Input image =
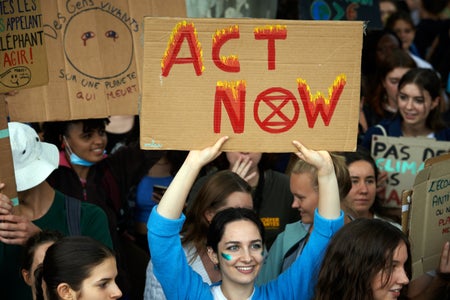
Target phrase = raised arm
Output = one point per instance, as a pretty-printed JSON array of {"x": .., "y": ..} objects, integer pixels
[
  {"x": 172, "y": 203},
  {"x": 300, "y": 279},
  {"x": 329, "y": 204}
]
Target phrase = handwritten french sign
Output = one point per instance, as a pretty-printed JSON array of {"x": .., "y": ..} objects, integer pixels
[
  {"x": 262, "y": 82},
  {"x": 429, "y": 221},
  {"x": 403, "y": 158},
  {"x": 23, "y": 57},
  {"x": 95, "y": 49}
]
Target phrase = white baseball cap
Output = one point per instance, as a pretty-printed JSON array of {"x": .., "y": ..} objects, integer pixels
[{"x": 33, "y": 160}]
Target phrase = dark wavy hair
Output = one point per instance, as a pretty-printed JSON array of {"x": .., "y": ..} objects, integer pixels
[
  {"x": 69, "y": 260},
  {"x": 435, "y": 7},
  {"x": 223, "y": 217},
  {"x": 363, "y": 155},
  {"x": 397, "y": 59},
  {"x": 42, "y": 237},
  {"x": 355, "y": 255},
  {"x": 426, "y": 80},
  {"x": 54, "y": 131},
  {"x": 399, "y": 15}
]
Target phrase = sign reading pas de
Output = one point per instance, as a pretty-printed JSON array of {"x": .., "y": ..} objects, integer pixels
[{"x": 242, "y": 78}]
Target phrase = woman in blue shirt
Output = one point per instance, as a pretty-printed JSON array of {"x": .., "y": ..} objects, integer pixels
[{"x": 235, "y": 244}]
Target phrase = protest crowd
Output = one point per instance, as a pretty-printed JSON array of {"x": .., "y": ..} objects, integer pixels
[{"x": 97, "y": 217}]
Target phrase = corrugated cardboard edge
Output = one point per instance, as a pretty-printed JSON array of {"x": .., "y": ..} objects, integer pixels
[
  {"x": 6, "y": 161},
  {"x": 414, "y": 219}
]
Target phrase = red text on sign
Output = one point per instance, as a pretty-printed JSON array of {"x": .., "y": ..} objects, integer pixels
[{"x": 233, "y": 94}]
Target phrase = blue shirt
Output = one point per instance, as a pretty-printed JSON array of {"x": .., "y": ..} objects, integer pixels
[
  {"x": 179, "y": 281},
  {"x": 144, "y": 194}
]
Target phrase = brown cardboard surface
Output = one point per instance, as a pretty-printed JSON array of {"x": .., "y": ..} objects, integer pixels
[
  {"x": 23, "y": 58},
  {"x": 429, "y": 225},
  {"x": 403, "y": 158},
  {"x": 187, "y": 108},
  {"x": 94, "y": 50},
  {"x": 6, "y": 162}
]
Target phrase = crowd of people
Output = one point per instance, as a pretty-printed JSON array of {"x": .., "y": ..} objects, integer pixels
[{"x": 99, "y": 218}]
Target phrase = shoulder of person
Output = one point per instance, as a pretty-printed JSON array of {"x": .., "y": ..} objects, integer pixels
[
  {"x": 386, "y": 126},
  {"x": 443, "y": 135},
  {"x": 293, "y": 233},
  {"x": 91, "y": 209}
]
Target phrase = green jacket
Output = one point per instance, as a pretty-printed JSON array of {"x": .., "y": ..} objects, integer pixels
[{"x": 93, "y": 223}]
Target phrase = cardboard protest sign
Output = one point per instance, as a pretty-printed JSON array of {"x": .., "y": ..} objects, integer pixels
[
  {"x": 429, "y": 221},
  {"x": 362, "y": 10},
  {"x": 94, "y": 49},
  {"x": 6, "y": 165},
  {"x": 403, "y": 158},
  {"x": 261, "y": 82},
  {"x": 23, "y": 58}
]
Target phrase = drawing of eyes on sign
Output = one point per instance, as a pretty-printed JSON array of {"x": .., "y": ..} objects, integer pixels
[
  {"x": 23, "y": 57},
  {"x": 111, "y": 37},
  {"x": 94, "y": 49},
  {"x": 262, "y": 82}
]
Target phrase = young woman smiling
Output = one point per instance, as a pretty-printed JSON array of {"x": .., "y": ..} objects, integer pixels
[
  {"x": 235, "y": 239},
  {"x": 87, "y": 173},
  {"x": 418, "y": 101}
]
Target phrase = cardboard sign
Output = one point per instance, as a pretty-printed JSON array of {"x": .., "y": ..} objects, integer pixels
[
  {"x": 403, "y": 158},
  {"x": 6, "y": 162},
  {"x": 363, "y": 10},
  {"x": 429, "y": 225},
  {"x": 23, "y": 58},
  {"x": 94, "y": 49},
  {"x": 264, "y": 83}
]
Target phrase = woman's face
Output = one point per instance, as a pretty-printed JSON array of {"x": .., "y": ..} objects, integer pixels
[
  {"x": 101, "y": 282},
  {"x": 385, "y": 46},
  {"x": 415, "y": 105},
  {"x": 398, "y": 277},
  {"x": 306, "y": 196},
  {"x": 405, "y": 32},
  {"x": 390, "y": 83},
  {"x": 364, "y": 184},
  {"x": 90, "y": 145},
  {"x": 240, "y": 253}
]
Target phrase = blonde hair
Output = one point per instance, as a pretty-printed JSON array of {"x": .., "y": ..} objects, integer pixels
[{"x": 340, "y": 169}]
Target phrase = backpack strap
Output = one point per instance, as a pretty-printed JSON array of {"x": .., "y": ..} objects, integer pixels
[
  {"x": 383, "y": 130},
  {"x": 73, "y": 215}
]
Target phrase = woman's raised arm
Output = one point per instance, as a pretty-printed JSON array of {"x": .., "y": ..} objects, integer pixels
[{"x": 172, "y": 203}]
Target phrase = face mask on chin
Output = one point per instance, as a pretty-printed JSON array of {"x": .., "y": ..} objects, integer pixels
[{"x": 75, "y": 159}]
